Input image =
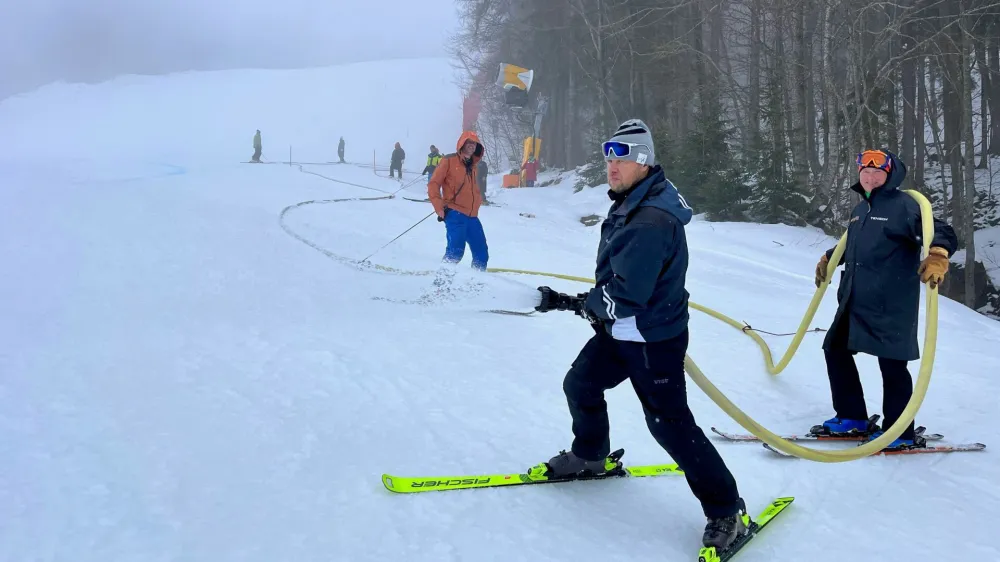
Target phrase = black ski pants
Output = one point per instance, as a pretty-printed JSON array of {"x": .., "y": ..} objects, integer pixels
[
  {"x": 656, "y": 370},
  {"x": 396, "y": 167},
  {"x": 845, "y": 382}
]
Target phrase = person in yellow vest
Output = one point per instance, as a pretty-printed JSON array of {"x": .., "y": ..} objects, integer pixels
[{"x": 433, "y": 159}]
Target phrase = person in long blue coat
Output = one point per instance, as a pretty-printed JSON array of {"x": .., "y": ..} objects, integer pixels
[{"x": 879, "y": 296}]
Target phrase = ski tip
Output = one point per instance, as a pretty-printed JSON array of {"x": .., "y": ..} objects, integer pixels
[
  {"x": 387, "y": 481},
  {"x": 777, "y": 452},
  {"x": 721, "y": 433},
  {"x": 510, "y": 312}
]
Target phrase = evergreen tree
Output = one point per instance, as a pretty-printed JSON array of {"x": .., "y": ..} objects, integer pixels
[{"x": 776, "y": 196}]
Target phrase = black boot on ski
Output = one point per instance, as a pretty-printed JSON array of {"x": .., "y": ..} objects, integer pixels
[
  {"x": 721, "y": 532},
  {"x": 567, "y": 465}
]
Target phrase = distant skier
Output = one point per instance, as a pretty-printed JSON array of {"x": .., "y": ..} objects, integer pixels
[
  {"x": 482, "y": 171},
  {"x": 879, "y": 296},
  {"x": 455, "y": 196},
  {"x": 256, "y": 148},
  {"x": 340, "y": 150},
  {"x": 396, "y": 161},
  {"x": 433, "y": 159},
  {"x": 639, "y": 310},
  {"x": 530, "y": 169}
]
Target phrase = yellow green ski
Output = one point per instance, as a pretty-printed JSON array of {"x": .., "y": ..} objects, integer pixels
[
  {"x": 709, "y": 554},
  {"x": 534, "y": 475}
]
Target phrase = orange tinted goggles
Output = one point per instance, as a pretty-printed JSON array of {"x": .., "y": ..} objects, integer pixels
[{"x": 874, "y": 159}]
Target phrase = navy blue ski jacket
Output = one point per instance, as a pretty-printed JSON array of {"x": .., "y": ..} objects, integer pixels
[
  {"x": 879, "y": 293},
  {"x": 642, "y": 262}
]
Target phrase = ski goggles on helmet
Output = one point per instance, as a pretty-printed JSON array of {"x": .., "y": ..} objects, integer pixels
[
  {"x": 619, "y": 149},
  {"x": 874, "y": 159}
]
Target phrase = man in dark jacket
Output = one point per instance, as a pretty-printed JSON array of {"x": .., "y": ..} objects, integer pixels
[
  {"x": 396, "y": 161},
  {"x": 482, "y": 170},
  {"x": 639, "y": 309},
  {"x": 879, "y": 296}
]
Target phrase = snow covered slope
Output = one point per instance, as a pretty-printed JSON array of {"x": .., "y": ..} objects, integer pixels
[{"x": 183, "y": 378}]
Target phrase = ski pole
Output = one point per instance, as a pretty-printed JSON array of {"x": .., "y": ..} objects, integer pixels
[
  {"x": 408, "y": 185},
  {"x": 400, "y": 236}
]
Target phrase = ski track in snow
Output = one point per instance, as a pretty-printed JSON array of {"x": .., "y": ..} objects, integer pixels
[{"x": 185, "y": 374}]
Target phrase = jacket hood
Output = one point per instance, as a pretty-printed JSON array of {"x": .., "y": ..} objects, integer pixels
[
  {"x": 895, "y": 178},
  {"x": 467, "y": 136},
  {"x": 657, "y": 191}
]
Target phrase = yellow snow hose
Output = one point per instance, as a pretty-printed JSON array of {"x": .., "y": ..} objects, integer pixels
[{"x": 819, "y": 455}]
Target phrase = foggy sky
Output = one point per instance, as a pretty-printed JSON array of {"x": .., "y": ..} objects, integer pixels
[{"x": 42, "y": 41}]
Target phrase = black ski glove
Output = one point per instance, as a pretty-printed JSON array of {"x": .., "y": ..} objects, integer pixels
[{"x": 584, "y": 312}]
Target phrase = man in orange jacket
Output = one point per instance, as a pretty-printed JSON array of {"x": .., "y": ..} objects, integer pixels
[{"x": 454, "y": 192}]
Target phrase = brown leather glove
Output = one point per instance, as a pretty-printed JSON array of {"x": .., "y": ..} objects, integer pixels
[
  {"x": 821, "y": 270},
  {"x": 934, "y": 266}
]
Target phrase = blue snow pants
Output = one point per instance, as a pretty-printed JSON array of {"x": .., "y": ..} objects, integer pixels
[{"x": 463, "y": 229}]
